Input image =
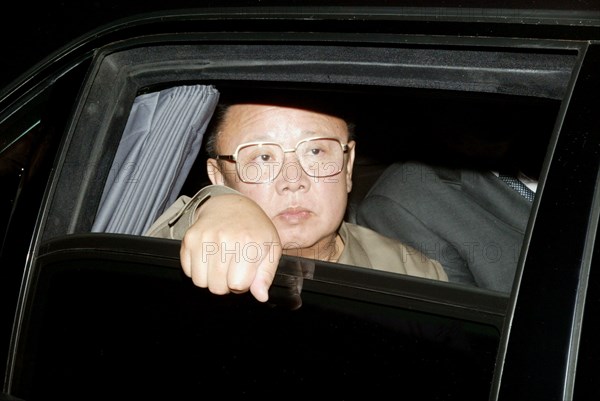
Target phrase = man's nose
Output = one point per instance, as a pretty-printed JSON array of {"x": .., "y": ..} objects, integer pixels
[{"x": 292, "y": 176}]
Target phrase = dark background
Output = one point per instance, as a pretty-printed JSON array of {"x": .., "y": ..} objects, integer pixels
[{"x": 29, "y": 32}]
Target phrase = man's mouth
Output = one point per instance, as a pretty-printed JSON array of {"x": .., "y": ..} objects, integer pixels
[{"x": 294, "y": 214}]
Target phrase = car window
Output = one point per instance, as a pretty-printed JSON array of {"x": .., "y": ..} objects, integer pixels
[
  {"x": 454, "y": 119},
  {"x": 448, "y": 117}
]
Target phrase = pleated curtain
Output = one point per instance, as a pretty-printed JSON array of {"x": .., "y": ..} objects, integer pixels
[{"x": 161, "y": 140}]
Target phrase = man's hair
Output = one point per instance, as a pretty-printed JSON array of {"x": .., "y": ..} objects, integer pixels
[
  {"x": 213, "y": 129},
  {"x": 328, "y": 103}
]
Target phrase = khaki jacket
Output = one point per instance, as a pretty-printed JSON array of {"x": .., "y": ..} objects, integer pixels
[{"x": 363, "y": 247}]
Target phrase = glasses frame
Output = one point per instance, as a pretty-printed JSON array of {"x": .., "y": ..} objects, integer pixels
[{"x": 233, "y": 157}]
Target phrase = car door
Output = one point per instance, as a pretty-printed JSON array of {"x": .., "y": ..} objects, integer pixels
[
  {"x": 103, "y": 313},
  {"x": 32, "y": 121},
  {"x": 553, "y": 295}
]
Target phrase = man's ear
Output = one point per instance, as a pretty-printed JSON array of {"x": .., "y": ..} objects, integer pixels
[
  {"x": 214, "y": 173},
  {"x": 350, "y": 165}
]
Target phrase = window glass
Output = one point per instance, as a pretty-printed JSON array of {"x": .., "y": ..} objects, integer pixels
[{"x": 115, "y": 319}]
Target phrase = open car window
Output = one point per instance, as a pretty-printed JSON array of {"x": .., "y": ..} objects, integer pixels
[
  {"x": 455, "y": 103},
  {"x": 465, "y": 106}
]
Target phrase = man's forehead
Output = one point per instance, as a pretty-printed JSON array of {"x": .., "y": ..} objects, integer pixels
[{"x": 272, "y": 119}]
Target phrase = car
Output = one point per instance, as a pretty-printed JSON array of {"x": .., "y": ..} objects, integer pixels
[{"x": 91, "y": 308}]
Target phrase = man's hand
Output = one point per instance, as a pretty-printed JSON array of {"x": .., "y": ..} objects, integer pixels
[{"x": 232, "y": 247}]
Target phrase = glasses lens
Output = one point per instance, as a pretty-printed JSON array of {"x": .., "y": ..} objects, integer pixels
[
  {"x": 321, "y": 157},
  {"x": 259, "y": 163}
]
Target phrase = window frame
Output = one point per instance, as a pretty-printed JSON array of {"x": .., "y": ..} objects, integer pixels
[{"x": 137, "y": 65}]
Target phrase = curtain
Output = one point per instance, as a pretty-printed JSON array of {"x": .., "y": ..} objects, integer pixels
[{"x": 161, "y": 140}]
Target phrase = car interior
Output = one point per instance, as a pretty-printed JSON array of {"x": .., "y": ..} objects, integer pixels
[{"x": 108, "y": 305}]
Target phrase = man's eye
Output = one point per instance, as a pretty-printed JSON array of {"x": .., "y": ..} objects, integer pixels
[{"x": 264, "y": 158}]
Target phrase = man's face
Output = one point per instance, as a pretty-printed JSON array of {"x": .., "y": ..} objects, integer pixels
[{"x": 305, "y": 210}]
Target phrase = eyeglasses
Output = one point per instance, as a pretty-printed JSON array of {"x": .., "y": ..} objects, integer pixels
[{"x": 261, "y": 162}]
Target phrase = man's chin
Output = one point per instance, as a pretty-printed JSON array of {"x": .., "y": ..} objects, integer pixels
[{"x": 291, "y": 244}]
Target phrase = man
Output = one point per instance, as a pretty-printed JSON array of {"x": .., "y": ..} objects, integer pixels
[
  {"x": 281, "y": 175},
  {"x": 469, "y": 220}
]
